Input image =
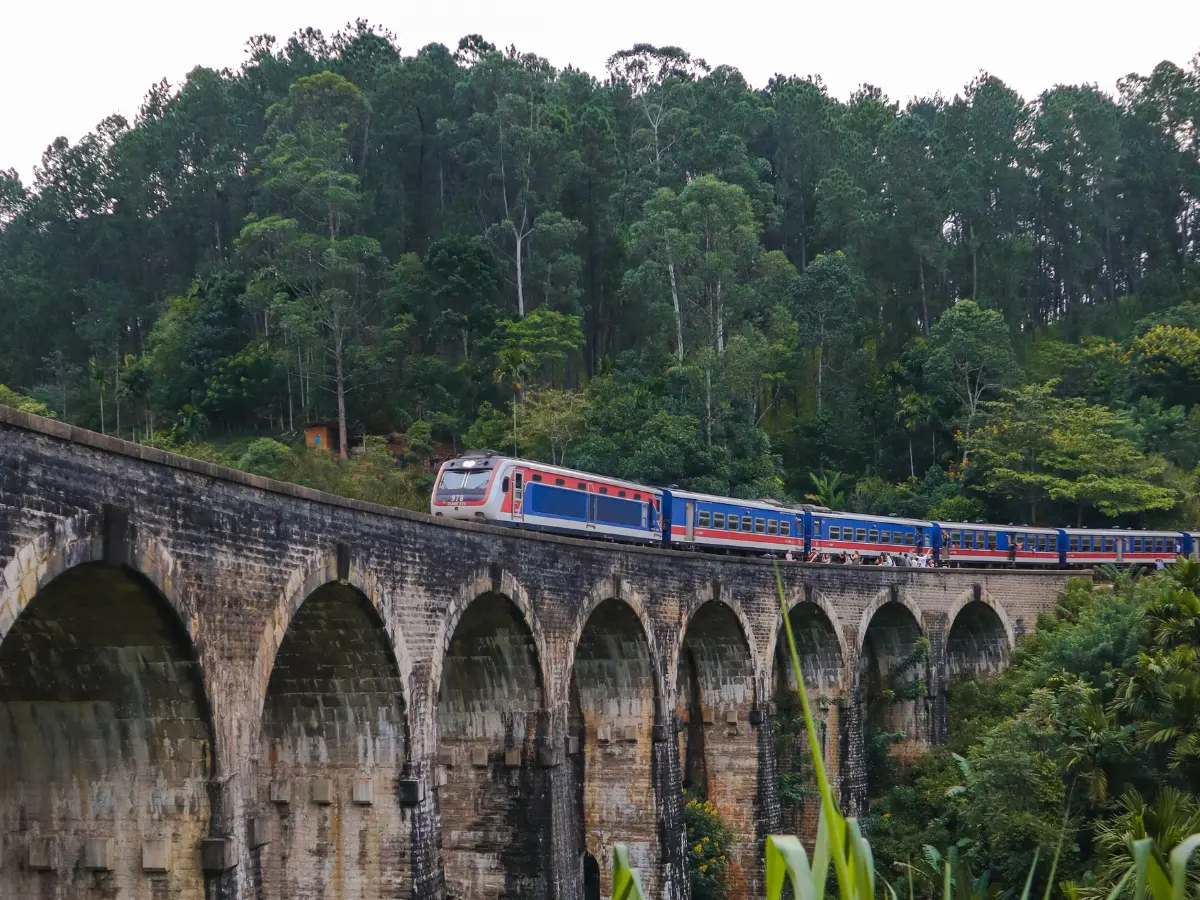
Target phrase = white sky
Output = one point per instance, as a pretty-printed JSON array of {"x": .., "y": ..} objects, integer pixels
[{"x": 65, "y": 64}]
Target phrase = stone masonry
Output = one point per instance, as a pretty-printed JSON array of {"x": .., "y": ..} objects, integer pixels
[{"x": 218, "y": 687}]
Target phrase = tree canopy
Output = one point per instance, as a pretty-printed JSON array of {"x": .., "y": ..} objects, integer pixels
[{"x": 663, "y": 273}]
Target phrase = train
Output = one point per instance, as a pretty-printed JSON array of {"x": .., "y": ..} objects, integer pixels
[{"x": 491, "y": 488}]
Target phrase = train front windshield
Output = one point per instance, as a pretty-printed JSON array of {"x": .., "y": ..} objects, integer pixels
[{"x": 458, "y": 485}]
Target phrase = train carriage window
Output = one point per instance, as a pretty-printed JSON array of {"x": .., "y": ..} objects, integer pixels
[
  {"x": 620, "y": 493},
  {"x": 860, "y": 535},
  {"x": 1137, "y": 545},
  {"x": 1108, "y": 545},
  {"x": 979, "y": 539},
  {"x": 955, "y": 539},
  {"x": 604, "y": 490},
  {"x": 733, "y": 522},
  {"x": 1160, "y": 545},
  {"x": 537, "y": 477},
  {"x": 885, "y": 537},
  {"x": 702, "y": 519},
  {"x": 637, "y": 496},
  {"x": 772, "y": 526},
  {"x": 559, "y": 482},
  {"x": 760, "y": 526},
  {"x": 1054, "y": 543},
  {"x": 580, "y": 486},
  {"x": 747, "y": 523},
  {"x": 835, "y": 532},
  {"x": 718, "y": 520},
  {"x": 1073, "y": 543},
  {"x": 909, "y": 538},
  {"x": 785, "y": 528},
  {"x": 992, "y": 542},
  {"x": 873, "y": 536}
]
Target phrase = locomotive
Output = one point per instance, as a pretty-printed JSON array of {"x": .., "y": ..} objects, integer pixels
[{"x": 488, "y": 487}]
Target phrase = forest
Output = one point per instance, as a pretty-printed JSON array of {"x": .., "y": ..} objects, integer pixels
[{"x": 977, "y": 307}]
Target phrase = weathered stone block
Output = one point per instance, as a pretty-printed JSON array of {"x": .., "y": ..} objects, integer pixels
[
  {"x": 447, "y": 756},
  {"x": 548, "y": 757},
  {"x": 217, "y": 855},
  {"x": 322, "y": 791},
  {"x": 630, "y": 733},
  {"x": 261, "y": 830},
  {"x": 479, "y": 756},
  {"x": 364, "y": 792},
  {"x": 42, "y": 854},
  {"x": 604, "y": 734},
  {"x": 512, "y": 757},
  {"x": 412, "y": 791},
  {"x": 156, "y": 855},
  {"x": 97, "y": 854},
  {"x": 281, "y": 792}
]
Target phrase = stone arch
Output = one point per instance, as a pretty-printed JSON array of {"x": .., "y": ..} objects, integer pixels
[
  {"x": 892, "y": 686},
  {"x": 715, "y": 693},
  {"x": 978, "y": 637},
  {"x": 802, "y": 595},
  {"x": 689, "y": 614},
  {"x": 821, "y": 648},
  {"x": 492, "y": 798},
  {"x": 614, "y": 696},
  {"x": 483, "y": 583},
  {"x": 881, "y": 599},
  {"x": 106, "y": 732},
  {"x": 302, "y": 583},
  {"x": 980, "y": 595},
  {"x": 333, "y": 744}
]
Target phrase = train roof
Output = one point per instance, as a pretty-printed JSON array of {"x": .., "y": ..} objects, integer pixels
[
  {"x": 762, "y": 503},
  {"x": 985, "y": 526},
  {"x": 494, "y": 460},
  {"x": 868, "y": 517},
  {"x": 1120, "y": 531}
]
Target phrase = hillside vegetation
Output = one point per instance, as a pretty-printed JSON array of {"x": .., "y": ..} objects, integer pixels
[{"x": 983, "y": 306}]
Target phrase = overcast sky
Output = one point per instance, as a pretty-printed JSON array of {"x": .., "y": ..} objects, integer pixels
[{"x": 65, "y": 65}]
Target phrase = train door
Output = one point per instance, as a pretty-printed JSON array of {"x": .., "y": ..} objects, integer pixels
[
  {"x": 1120, "y": 549},
  {"x": 690, "y": 521},
  {"x": 518, "y": 505},
  {"x": 591, "y": 512}
]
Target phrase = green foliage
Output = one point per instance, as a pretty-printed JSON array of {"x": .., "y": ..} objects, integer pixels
[
  {"x": 9, "y": 397},
  {"x": 1092, "y": 724},
  {"x": 663, "y": 274},
  {"x": 709, "y": 841}
]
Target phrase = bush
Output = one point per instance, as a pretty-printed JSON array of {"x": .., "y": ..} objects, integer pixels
[
  {"x": 708, "y": 838},
  {"x": 11, "y": 398},
  {"x": 267, "y": 457}
]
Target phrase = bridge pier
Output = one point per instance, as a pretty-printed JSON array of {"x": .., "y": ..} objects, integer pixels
[{"x": 218, "y": 687}]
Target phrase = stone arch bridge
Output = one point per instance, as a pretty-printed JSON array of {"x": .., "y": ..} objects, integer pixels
[{"x": 213, "y": 685}]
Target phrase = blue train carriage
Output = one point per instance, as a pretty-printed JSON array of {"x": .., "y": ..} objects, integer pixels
[
  {"x": 487, "y": 487},
  {"x": 1117, "y": 546},
  {"x": 965, "y": 543},
  {"x": 835, "y": 533},
  {"x": 704, "y": 521}
]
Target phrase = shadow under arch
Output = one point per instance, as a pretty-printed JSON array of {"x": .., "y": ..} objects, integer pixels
[
  {"x": 490, "y": 724},
  {"x": 301, "y": 585},
  {"x": 483, "y": 585},
  {"x": 105, "y": 729},
  {"x": 978, "y": 641},
  {"x": 614, "y": 696},
  {"x": 333, "y": 743},
  {"x": 822, "y": 654},
  {"x": 892, "y": 689},
  {"x": 716, "y": 692}
]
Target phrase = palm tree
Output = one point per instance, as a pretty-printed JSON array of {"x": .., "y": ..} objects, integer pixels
[{"x": 829, "y": 489}]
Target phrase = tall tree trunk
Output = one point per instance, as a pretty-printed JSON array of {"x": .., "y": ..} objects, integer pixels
[
  {"x": 720, "y": 320},
  {"x": 520, "y": 275},
  {"x": 678, "y": 310},
  {"x": 708, "y": 404},
  {"x": 340, "y": 378},
  {"x": 820, "y": 374},
  {"x": 924, "y": 298},
  {"x": 912, "y": 466}
]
